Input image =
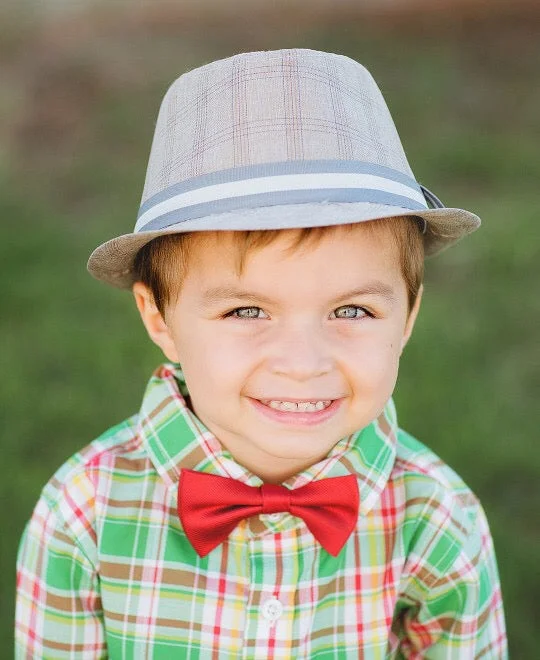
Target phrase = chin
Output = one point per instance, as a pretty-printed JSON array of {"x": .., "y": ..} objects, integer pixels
[{"x": 299, "y": 450}]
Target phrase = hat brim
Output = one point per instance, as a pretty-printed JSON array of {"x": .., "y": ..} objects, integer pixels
[{"x": 112, "y": 262}]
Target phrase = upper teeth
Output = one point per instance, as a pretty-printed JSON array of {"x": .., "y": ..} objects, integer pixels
[{"x": 300, "y": 406}]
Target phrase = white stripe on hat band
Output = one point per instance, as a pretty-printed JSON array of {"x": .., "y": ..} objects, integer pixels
[
  {"x": 275, "y": 184},
  {"x": 278, "y": 168}
]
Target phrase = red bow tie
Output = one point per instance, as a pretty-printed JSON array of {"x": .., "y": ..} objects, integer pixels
[{"x": 210, "y": 507}]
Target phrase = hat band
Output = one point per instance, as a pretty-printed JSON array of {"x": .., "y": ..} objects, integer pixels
[{"x": 270, "y": 184}]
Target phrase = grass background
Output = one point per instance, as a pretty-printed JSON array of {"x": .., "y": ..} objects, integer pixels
[{"x": 80, "y": 94}]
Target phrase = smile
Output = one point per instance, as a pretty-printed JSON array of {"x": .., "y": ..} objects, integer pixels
[
  {"x": 299, "y": 413},
  {"x": 297, "y": 406}
]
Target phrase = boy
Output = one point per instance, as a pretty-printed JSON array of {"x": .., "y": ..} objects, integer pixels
[{"x": 264, "y": 503}]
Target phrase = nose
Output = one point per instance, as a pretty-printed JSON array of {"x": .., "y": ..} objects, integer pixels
[{"x": 300, "y": 353}]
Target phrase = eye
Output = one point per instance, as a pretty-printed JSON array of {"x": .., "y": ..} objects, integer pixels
[
  {"x": 247, "y": 313},
  {"x": 350, "y": 312}
]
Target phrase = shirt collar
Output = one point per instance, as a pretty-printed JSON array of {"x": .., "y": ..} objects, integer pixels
[{"x": 175, "y": 438}]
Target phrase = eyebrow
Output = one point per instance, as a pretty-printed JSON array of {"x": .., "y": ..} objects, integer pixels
[
  {"x": 220, "y": 294},
  {"x": 374, "y": 288}
]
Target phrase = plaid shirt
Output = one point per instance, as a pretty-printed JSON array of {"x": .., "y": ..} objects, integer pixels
[{"x": 105, "y": 570}]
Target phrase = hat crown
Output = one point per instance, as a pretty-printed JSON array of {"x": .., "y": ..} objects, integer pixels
[{"x": 270, "y": 107}]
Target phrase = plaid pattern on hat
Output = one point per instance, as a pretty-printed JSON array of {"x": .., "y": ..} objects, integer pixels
[{"x": 105, "y": 570}]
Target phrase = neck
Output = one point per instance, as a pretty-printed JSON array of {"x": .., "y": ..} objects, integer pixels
[{"x": 270, "y": 469}]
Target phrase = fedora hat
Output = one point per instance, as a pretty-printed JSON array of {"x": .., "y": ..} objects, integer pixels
[{"x": 275, "y": 140}]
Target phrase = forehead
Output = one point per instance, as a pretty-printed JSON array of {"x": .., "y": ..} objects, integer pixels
[{"x": 332, "y": 254}]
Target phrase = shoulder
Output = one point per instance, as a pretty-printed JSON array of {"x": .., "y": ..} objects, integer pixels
[
  {"x": 442, "y": 514},
  {"x": 73, "y": 491},
  {"x": 416, "y": 462}
]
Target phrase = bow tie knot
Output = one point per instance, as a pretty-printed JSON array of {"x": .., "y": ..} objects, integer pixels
[
  {"x": 275, "y": 499},
  {"x": 211, "y": 506}
]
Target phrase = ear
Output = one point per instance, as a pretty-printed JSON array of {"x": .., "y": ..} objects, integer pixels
[
  {"x": 412, "y": 318},
  {"x": 154, "y": 323}
]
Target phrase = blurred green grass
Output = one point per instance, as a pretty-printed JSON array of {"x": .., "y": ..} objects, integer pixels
[{"x": 75, "y": 357}]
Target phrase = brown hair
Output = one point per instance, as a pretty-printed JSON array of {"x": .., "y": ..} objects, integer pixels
[{"x": 162, "y": 263}]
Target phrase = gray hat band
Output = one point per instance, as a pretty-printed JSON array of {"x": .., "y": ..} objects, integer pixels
[{"x": 270, "y": 184}]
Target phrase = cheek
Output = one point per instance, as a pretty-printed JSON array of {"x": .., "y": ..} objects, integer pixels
[
  {"x": 213, "y": 360},
  {"x": 375, "y": 363}
]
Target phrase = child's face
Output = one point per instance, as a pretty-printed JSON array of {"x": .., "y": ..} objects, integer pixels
[{"x": 325, "y": 325}]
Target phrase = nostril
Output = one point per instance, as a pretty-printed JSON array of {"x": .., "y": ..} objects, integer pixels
[{"x": 301, "y": 364}]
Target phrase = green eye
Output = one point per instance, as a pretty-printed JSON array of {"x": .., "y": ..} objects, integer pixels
[{"x": 350, "y": 312}]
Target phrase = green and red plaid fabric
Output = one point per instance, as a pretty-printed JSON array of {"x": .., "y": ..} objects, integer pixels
[{"x": 105, "y": 570}]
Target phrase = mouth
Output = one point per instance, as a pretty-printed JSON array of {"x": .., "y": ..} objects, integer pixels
[{"x": 298, "y": 412}]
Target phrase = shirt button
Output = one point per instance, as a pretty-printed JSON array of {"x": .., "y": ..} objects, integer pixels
[
  {"x": 271, "y": 517},
  {"x": 272, "y": 609},
  {"x": 275, "y": 517}
]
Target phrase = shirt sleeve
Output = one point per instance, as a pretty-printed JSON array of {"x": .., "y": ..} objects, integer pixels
[
  {"x": 58, "y": 605},
  {"x": 460, "y": 614}
]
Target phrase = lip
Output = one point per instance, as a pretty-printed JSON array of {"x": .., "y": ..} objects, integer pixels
[
  {"x": 297, "y": 418},
  {"x": 293, "y": 400}
]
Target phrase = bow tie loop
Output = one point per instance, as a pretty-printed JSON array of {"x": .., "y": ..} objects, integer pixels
[{"x": 211, "y": 506}]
